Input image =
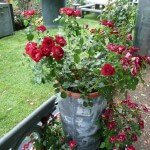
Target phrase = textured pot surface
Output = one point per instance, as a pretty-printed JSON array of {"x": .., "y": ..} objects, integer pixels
[
  {"x": 50, "y": 11},
  {"x": 79, "y": 122}
]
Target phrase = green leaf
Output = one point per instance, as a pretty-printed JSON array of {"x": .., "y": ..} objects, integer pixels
[
  {"x": 76, "y": 58},
  {"x": 65, "y": 85},
  {"x": 81, "y": 41},
  {"x": 102, "y": 145},
  {"x": 85, "y": 104},
  {"x": 78, "y": 51},
  {"x": 30, "y": 37},
  {"x": 56, "y": 85},
  {"x": 63, "y": 95},
  {"x": 57, "y": 90},
  {"x": 107, "y": 41},
  {"x": 26, "y": 22}
]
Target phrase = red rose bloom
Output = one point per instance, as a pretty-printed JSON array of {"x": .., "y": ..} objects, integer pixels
[
  {"x": 29, "y": 13},
  {"x": 36, "y": 55},
  {"x": 125, "y": 61},
  {"x": 121, "y": 49},
  {"x": 48, "y": 41},
  {"x": 77, "y": 13},
  {"x": 104, "y": 117},
  {"x": 30, "y": 47},
  {"x": 129, "y": 37},
  {"x": 128, "y": 55},
  {"x": 58, "y": 52},
  {"x": 60, "y": 40},
  {"x": 141, "y": 123},
  {"x": 144, "y": 108},
  {"x": 111, "y": 125},
  {"x": 121, "y": 137},
  {"x": 130, "y": 148},
  {"x": 46, "y": 50},
  {"x": 112, "y": 139},
  {"x": 112, "y": 47},
  {"x": 108, "y": 70},
  {"x": 72, "y": 144},
  {"x": 41, "y": 28},
  {"x": 69, "y": 11},
  {"x": 108, "y": 23},
  {"x": 134, "y": 71},
  {"x": 134, "y": 137}
]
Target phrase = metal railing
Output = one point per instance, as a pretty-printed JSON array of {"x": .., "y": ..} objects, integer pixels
[{"x": 14, "y": 139}]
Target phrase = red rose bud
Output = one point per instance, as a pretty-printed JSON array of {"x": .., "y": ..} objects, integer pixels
[
  {"x": 112, "y": 139},
  {"x": 58, "y": 52},
  {"x": 129, "y": 37},
  {"x": 108, "y": 70},
  {"x": 134, "y": 71},
  {"x": 30, "y": 47},
  {"x": 86, "y": 26},
  {"x": 61, "y": 11},
  {"x": 147, "y": 59},
  {"x": 104, "y": 117},
  {"x": 108, "y": 23},
  {"x": 121, "y": 137},
  {"x": 101, "y": 32},
  {"x": 48, "y": 41},
  {"x": 41, "y": 28},
  {"x": 141, "y": 123},
  {"x": 60, "y": 40},
  {"x": 77, "y": 13},
  {"x": 93, "y": 30},
  {"x": 133, "y": 49},
  {"x": 72, "y": 144},
  {"x": 134, "y": 137},
  {"x": 111, "y": 125},
  {"x": 46, "y": 50},
  {"x": 130, "y": 148},
  {"x": 127, "y": 129},
  {"x": 115, "y": 31},
  {"x": 144, "y": 108}
]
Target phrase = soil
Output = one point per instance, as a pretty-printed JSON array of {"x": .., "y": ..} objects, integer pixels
[{"x": 142, "y": 96}]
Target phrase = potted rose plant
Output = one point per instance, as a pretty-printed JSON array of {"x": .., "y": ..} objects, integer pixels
[{"x": 87, "y": 67}]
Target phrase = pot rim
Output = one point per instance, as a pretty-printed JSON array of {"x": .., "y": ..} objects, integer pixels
[{"x": 78, "y": 95}]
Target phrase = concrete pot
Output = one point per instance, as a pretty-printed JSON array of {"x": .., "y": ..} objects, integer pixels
[
  {"x": 50, "y": 11},
  {"x": 142, "y": 32},
  {"x": 79, "y": 122}
]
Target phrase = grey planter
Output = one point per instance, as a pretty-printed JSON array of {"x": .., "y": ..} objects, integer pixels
[
  {"x": 79, "y": 122},
  {"x": 6, "y": 20},
  {"x": 50, "y": 11},
  {"x": 142, "y": 32}
]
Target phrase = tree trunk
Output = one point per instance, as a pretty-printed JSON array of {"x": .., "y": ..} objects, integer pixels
[{"x": 142, "y": 32}]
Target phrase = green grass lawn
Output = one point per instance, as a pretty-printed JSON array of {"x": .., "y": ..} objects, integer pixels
[{"x": 18, "y": 95}]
